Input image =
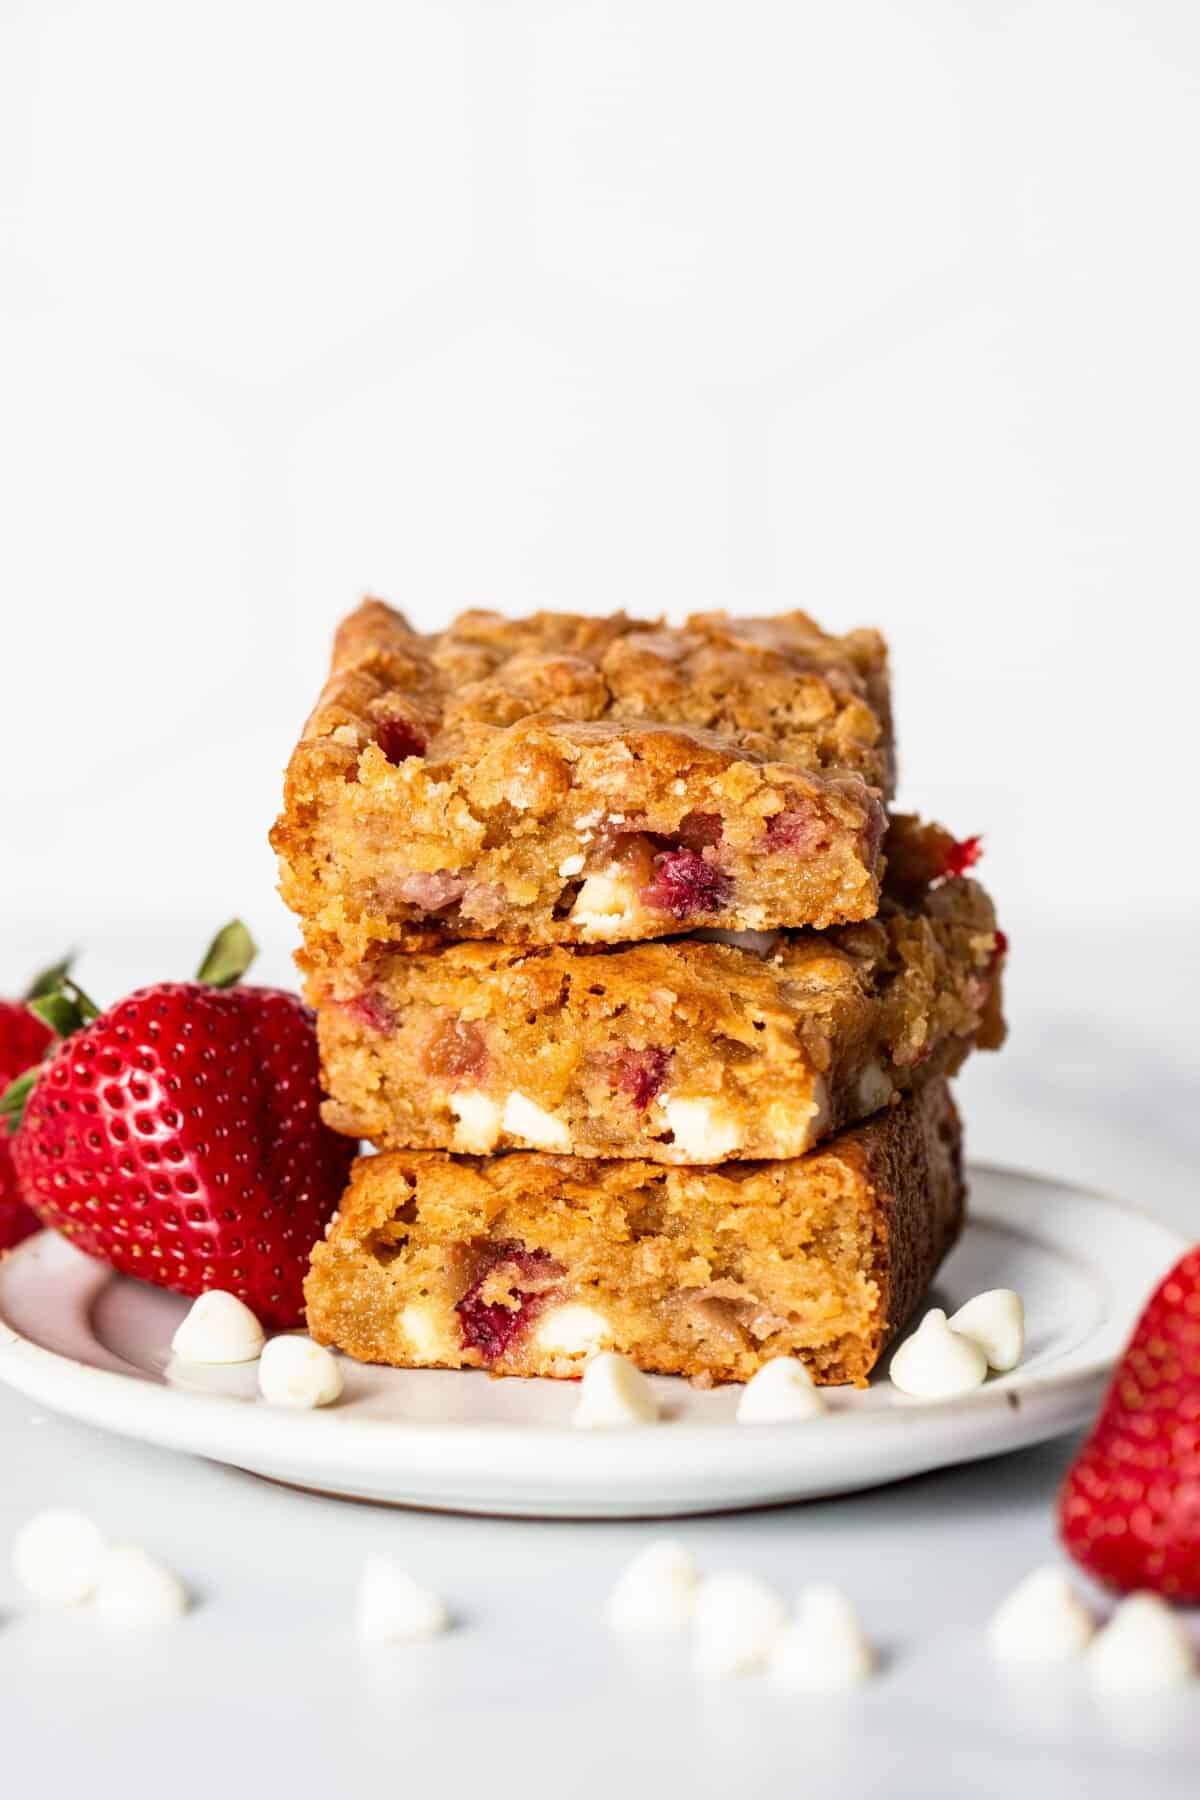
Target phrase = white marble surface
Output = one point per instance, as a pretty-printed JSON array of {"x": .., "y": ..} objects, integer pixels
[{"x": 265, "y": 1685}]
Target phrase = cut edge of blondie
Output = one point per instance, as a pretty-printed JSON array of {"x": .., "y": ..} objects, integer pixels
[
  {"x": 681, "y": 1052},
  {"x": 528, "y": 1264}
]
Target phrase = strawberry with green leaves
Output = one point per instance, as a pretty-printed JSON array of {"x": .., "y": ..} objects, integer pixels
[
  {"x": 23, "y": 1039},
  {"x": 178, "y": 1135}
]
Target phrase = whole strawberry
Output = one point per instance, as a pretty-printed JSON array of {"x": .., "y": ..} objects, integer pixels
[
  {"x": 1129, "y": 1512},
  {"x": 23, "y": 1039},
  {"x": 178, "y": 1136}
]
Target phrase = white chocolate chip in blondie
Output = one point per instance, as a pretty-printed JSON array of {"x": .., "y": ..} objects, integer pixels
[
  {"x": 703, "y": 1131},
  {"x": 757, "y": 943},
  {"x": 605, "y": 905},
  {"x": 423, "y": 1333},
  {"x": 571, "y": 1330},
  {"x": 524, "y": 1118},
  {"x": 795, "y": 1127},
  {"x": 478, "y": 1125},
  {"x": 570, "y": 865},
  {"x": 874, "y": 1089}
]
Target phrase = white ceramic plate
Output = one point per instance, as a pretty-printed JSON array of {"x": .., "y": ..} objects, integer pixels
[{"x": 97, "y": 1347}]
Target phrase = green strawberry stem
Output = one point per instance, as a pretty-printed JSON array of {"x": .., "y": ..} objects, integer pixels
[
  {"x": 61, "y": 1003},
  {"x": 14, "y": 1097},
  {"x": 47, "y": 980},
  {"x": 65, "y": 1009},
  {"x": 228, "y": 956}
]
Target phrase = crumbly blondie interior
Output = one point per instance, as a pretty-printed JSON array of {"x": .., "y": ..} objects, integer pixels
[
  {"x": 527, "y": 1264},
  {"x": 680, "y": 1051},
  {"x": 564, "y": 779}
]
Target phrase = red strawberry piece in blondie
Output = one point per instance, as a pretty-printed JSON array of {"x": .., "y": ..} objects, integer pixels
[
  {"x": 685, "y": 884},
  {"x": 510, "y": 1289},
  {"x": 641, "y": 1073}
]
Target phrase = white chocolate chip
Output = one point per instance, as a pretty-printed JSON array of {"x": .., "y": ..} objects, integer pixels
[
  {"x": 293, "y": 1371},
  {"x": 1043, "y": 1620},
  {"x": 570, "y": 1330},
  {"x": 614, "y": 1393},
  {"x": 781, "y": 1390},
  {"x": 679, "y": 788},
  {"x": 393, "y": 1608},
  {"x": 525, "y": 1119},
  {"x": 605, "y": 905},
  {"x": 657, "y": 1592},
  {"x": 874, "y": 1088},
  {"x": 703, "y": 1131},
  {"x": 825, "y": 1650},
  {"x": 996, "y": 1321},
  {"x": 1144, "y": 1645},
  {"x": 57, "y": 1555},
  {"x": 219, "y": 1328},
  {"x": 796, "y": 1125},
  {"x": 935, "y": 1363},
  {"x": 478, "y": 1116},
  {"x": 755, "y": 943},
  {"x": 738, "y": 1619},
  {"x": 423, "y": 1333},
  {"x": 570, "y": 865},
  {"x": 134, "y": 1590}
]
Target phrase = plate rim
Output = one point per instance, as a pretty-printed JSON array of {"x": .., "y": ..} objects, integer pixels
[{"x": 223, "y": 1428}]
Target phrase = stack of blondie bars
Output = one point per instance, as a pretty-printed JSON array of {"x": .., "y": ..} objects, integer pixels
[{"x": 647, "y": 1003}]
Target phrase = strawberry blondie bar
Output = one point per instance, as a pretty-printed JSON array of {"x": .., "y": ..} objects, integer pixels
[
  {"x": 527, "y": 1264},
  {"x": 681, "y": 1051},
  {"x": 564, "y": 779}
]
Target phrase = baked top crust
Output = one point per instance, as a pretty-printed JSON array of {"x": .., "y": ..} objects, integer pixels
[
  {"x": 779, "y": 689},
  {"x": 526, "y": 1264},
  {"x": 564, "y": 779}
]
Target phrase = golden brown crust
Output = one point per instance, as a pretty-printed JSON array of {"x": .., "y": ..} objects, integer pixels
[
  {"x": 511, "y": 1262},
  {"x": 445, "y": 782},
  {"x": 779, "y": 688},
  {"x": 677, "y": 1051}
]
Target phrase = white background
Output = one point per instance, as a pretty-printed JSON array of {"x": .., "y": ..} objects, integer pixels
[{"x": 888, "y": 310}]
